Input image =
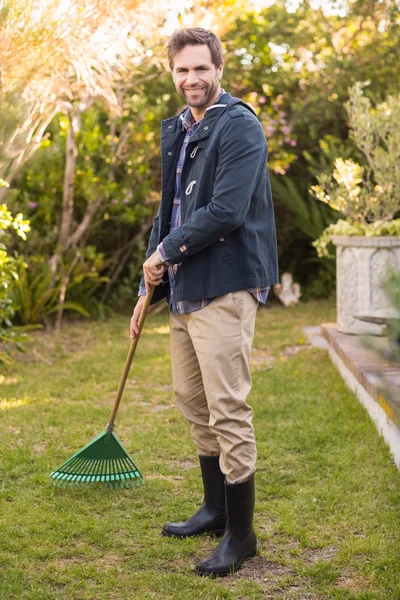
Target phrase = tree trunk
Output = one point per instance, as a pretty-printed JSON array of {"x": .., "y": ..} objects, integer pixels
[
  {"x": 64, "y": 286},
  {"x": 67, "y": 210},
  {"x": 69, "y": 176}
]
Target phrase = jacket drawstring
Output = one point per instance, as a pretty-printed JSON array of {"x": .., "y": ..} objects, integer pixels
[{"x": 190, "y": 187}]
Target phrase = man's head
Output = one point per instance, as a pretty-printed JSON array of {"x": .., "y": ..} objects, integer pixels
[
  {"x": 195, "y": 58},
  {"x": 196, "y": 36}
]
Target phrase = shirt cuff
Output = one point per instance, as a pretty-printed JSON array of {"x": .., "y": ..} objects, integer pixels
[
  {"x": 142, "y": 291},
  {"x": 162, "y": 254}
]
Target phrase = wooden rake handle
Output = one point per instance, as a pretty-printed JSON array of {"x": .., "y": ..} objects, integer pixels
[{"x": 129, "y": 358}]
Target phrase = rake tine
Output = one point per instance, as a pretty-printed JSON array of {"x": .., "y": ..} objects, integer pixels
[
  {"x": 98, "y": 471},
  {"x": 72, "y": 464},
  {"x": 91, "y": 467},
  {"x": 99, "y": 462},
  {"x": 124, "y": 474},
  {"x": 127, "y": 466},
  {"x": 107, "y": 473},
  {"x": 114, "y": 468}
]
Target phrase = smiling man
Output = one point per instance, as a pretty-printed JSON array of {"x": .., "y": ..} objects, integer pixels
[{"x": 212, "y": 254}]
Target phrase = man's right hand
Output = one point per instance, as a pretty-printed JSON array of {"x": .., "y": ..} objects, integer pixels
[{"x": 134, "y": 329}]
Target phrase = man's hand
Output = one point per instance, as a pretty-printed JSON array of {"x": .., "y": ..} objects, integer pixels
[
  {"x": 134, "y": 329},
  {"x": 153, "y": 270}
]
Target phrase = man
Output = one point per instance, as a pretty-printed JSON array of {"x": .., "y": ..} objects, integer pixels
[{"x": 212, "y": 253}]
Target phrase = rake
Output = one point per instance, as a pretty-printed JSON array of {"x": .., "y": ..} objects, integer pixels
[{"x": 104, "y": 459}]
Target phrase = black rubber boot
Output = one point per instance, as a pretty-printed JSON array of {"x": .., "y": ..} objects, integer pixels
[
  {"x": 239, "y": 541},
  {"x": 211, "y": 516}
]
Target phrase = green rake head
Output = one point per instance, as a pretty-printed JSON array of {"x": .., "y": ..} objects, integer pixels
[{"x": 103, "y": 460}]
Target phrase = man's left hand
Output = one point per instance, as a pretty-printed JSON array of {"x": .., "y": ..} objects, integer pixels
[{"x": 153, "y": 270}]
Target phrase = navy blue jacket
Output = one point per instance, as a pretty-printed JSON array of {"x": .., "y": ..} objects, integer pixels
[{"x": 227, "y": 240}]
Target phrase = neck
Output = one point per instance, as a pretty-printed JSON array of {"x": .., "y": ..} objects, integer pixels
[{"x": 199, "y": 111}]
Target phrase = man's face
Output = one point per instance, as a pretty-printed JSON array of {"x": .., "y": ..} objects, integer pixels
[{"x": 196, "y": 77}]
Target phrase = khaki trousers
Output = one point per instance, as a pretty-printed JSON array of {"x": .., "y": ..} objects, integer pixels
[{"x": 210, "y": 352}]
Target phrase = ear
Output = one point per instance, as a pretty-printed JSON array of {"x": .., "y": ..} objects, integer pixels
[{"x": 220, "y": 71}]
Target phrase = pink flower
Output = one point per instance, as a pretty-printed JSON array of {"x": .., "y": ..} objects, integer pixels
[
  {"x": 262, "y": 99},
  {"x": 125, "y": 201},
  {"x": 293, "y": 143},
  {"x": 114, "y": 201},
  {"x": 32, "y": 204}
]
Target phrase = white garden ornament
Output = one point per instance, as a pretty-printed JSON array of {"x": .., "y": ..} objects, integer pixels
[{"x": 288, "y": 292}]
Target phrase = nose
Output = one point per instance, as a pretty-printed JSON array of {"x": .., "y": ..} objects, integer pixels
[{"x": 192, "y": 78}]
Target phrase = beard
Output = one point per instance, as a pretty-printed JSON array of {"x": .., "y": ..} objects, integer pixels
[{"x": 202, "y": 95}]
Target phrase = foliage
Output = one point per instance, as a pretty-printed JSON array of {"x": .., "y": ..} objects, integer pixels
[
  {"x": 9, "y": 265},
  {"x": 365, "y": 195},
  {"x": 342, "y": 227},
  {"x": 36, "y": 294},
  {"x": 56, "y": 53},
  {"x": 375, "y": 132},
  {"x": 278, "y": 131},
  {"x": 113, "y": 170},
  {"x": 310, "y": 218}
]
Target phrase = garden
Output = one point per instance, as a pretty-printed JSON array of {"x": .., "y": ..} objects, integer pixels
[{"x": 83, "y": 88}]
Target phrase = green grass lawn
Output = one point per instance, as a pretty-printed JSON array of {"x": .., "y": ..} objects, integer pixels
[{"x": 328, "y": 493}]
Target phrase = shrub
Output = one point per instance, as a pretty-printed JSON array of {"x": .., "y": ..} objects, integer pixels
[
  {"x": 9, "y": 265},
  {"x": 366, "y": 195}
]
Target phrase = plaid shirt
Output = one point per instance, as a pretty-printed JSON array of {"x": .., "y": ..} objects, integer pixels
[{"x": 186, "y": 307}]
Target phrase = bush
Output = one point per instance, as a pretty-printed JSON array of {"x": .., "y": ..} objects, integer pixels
[{"x": 9, "y": 266}]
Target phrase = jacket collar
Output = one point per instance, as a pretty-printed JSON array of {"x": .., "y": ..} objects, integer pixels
[{"x": 212, "y": 114}]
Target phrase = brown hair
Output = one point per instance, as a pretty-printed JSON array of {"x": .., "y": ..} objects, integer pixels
[{"x": 193, "y": 37}]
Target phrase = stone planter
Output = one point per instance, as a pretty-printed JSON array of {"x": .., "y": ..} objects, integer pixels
[{"x": 362, "y": 263}]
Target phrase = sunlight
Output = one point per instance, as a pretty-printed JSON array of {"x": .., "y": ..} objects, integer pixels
[
  {"x": 7, "y": 403},
  {"x": 7, "y": 380},
  {"x": 161, "y": 330}
]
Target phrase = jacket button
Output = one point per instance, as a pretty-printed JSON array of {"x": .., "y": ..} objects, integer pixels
[
  {"x": 169, "y": 153},
  {"x": 183, "y": 248},
  {"x": 222, "y": 239},
  {"x": 205, "y": 128},
  {"x": 169, "y": 126}
]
